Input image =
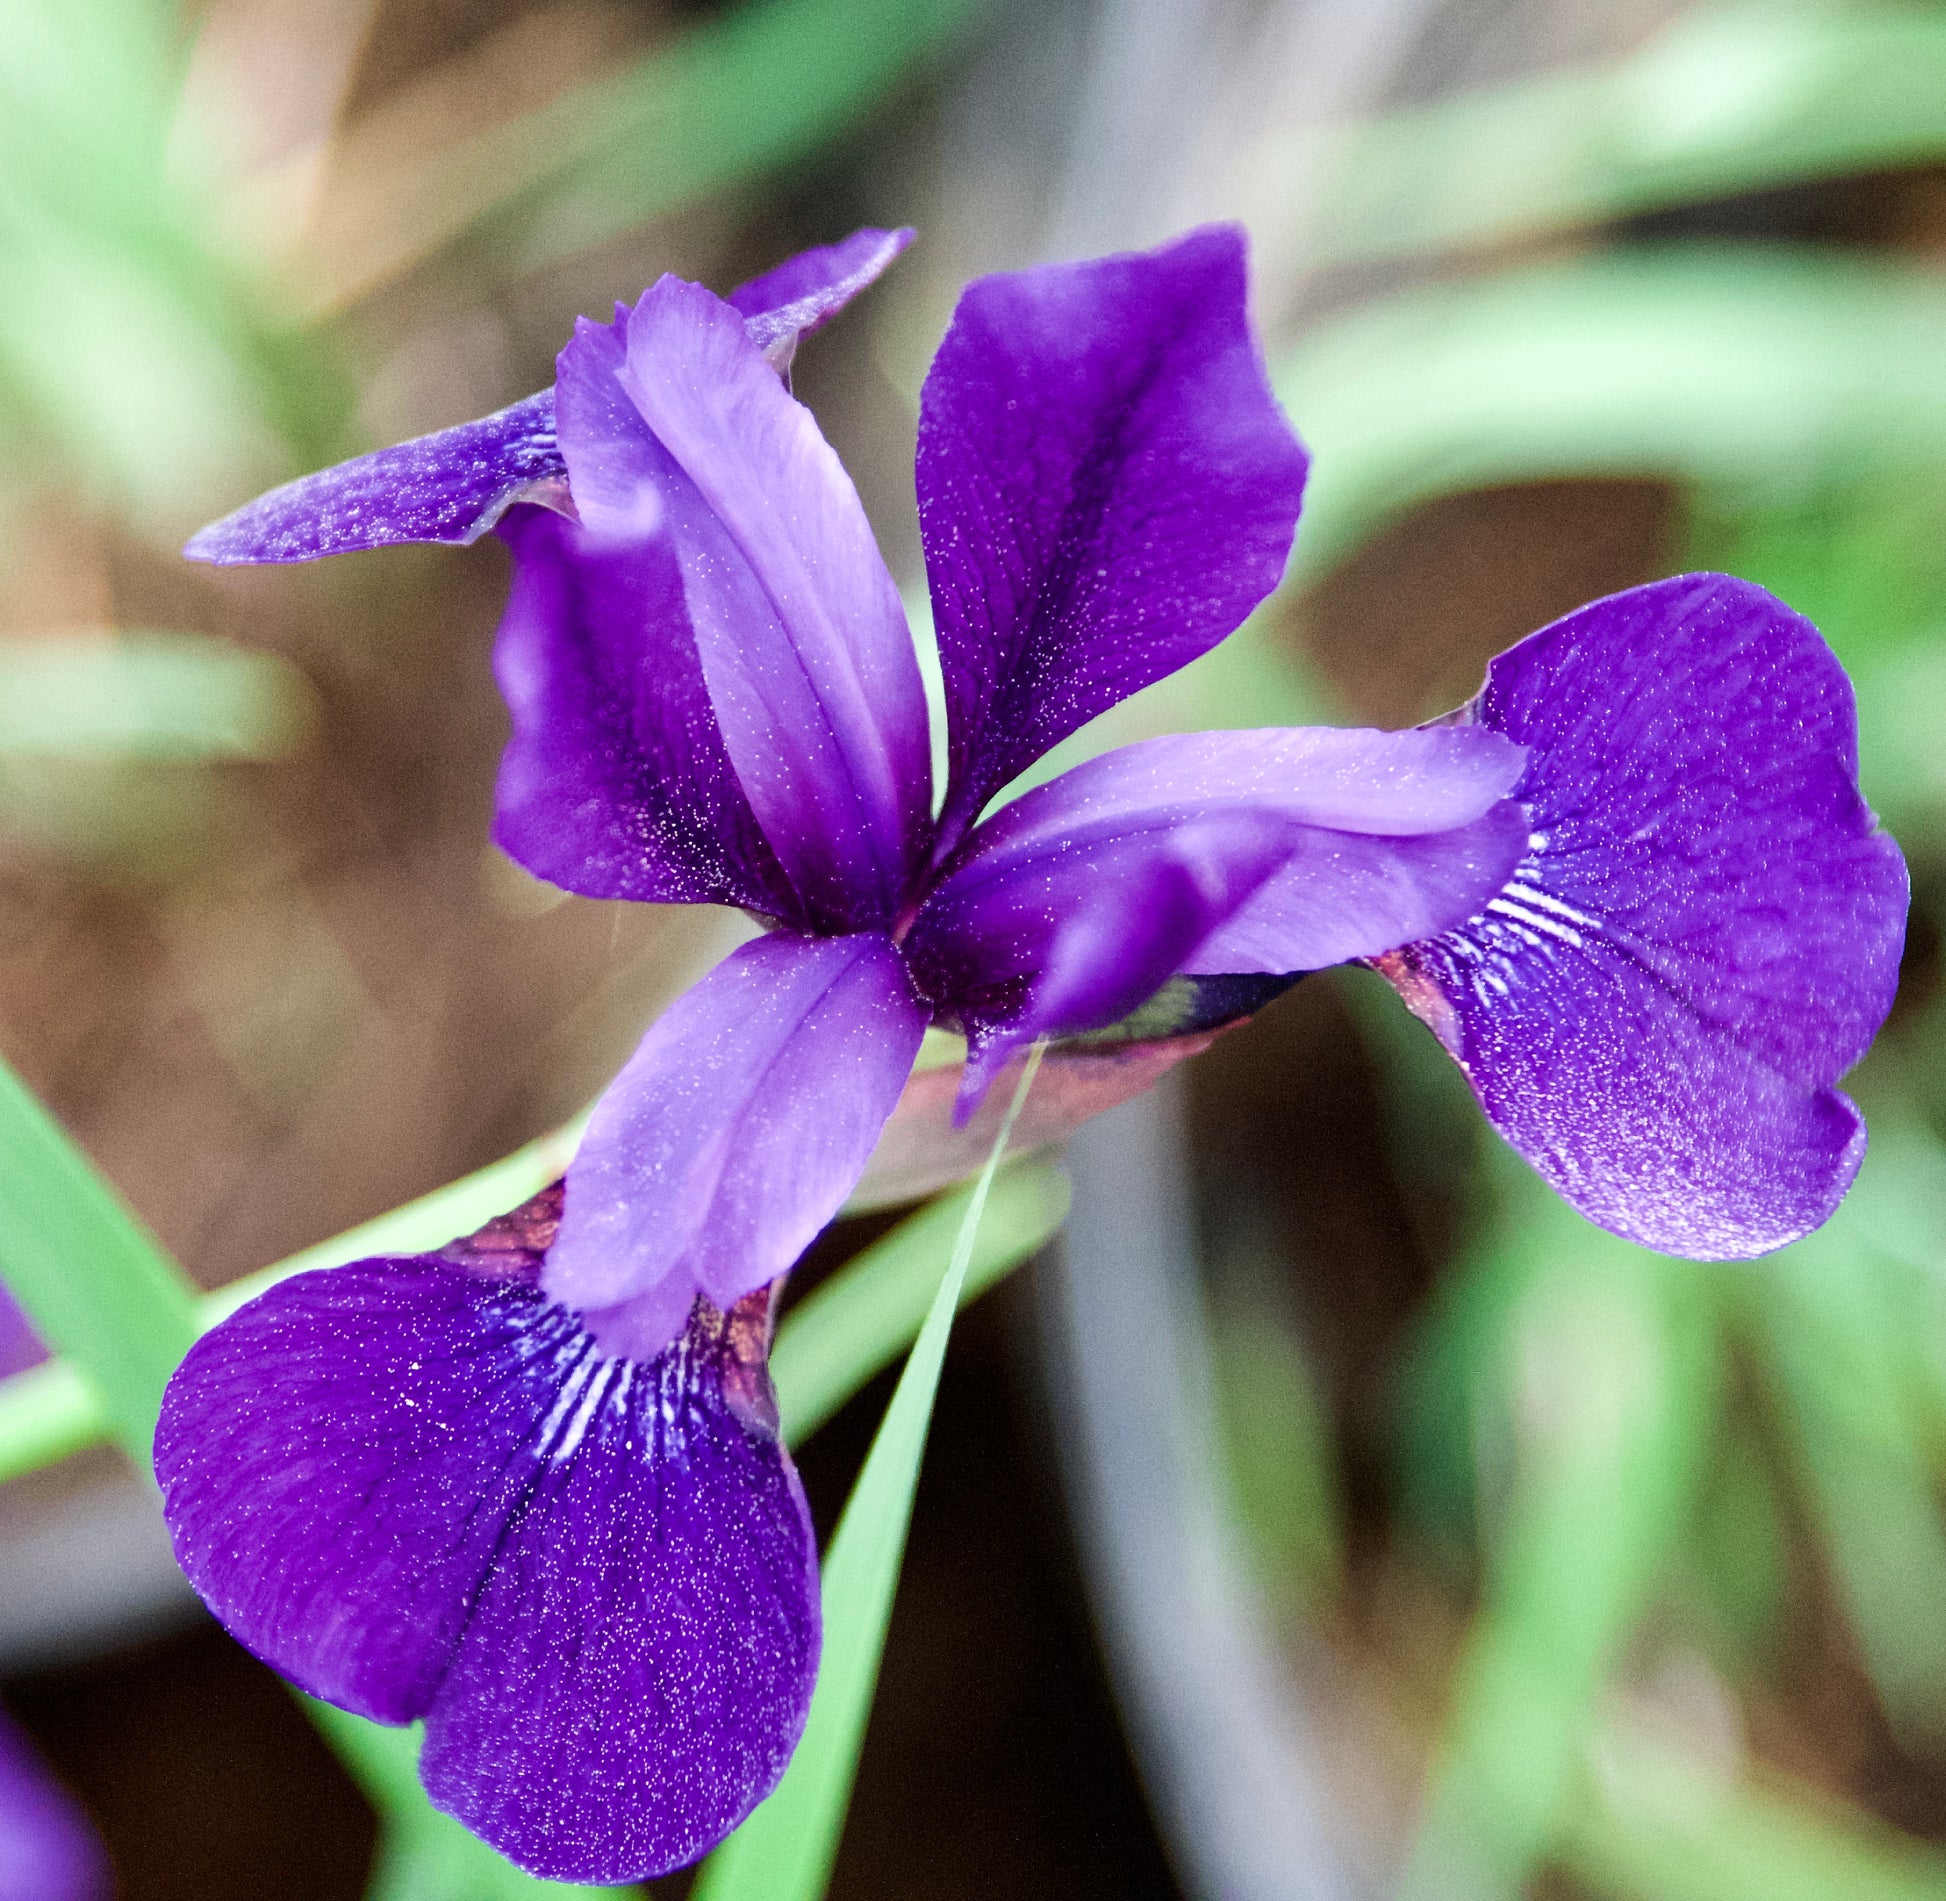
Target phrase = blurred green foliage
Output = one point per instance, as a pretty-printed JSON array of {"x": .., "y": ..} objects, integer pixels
[{"x": 1627, "y": 1455}]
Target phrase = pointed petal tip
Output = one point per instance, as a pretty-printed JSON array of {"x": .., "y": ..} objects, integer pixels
[
  {"x": 451, "y": 487},
  {"x": 803, "y": 294}
]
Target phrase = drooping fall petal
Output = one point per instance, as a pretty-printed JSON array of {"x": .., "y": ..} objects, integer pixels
[
  {"x": 1703, "y": 933},
  {"x": 421, "y": 1490}
]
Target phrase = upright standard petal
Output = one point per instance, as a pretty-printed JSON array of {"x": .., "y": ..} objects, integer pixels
[
  {"x": 1256, "y": 852},
  {"x": 47, "y": 1850},
  {"x": 417, "y": 1488},
  {"x": 452, "y": 487},
  {"x": 805, "y": 292},
  {"x": 804, "y": 643},
  {"x": 735, "y": 1133},
  {"x": 615, "y": 782},
  {"x": 1703, "y": 934},
  {"x": 1106, "y": 488}
]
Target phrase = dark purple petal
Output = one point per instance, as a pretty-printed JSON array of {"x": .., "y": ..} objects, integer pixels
[
  {"x": 1703, "y": 935},
  {"x": 736, "y": 1131},
  {"x": 1269, "y": 851},
  {"x": 1106, "y": 488},
  {"x": 645, "y": 518},
  {"x": 1092, "y": 940},
  {"x": 417, "y": 1488},
  {"x": 615, "y": 782},
  {"x": 452, "y": 487},
  {"x": 803, "y": 640},
  {"x": 47, "y": 1850},
  {"x": 805, "y": 292}
]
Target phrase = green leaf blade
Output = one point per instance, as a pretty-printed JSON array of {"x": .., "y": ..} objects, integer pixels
[
  {"x": 860, "y": 1320},
  {"x": 97, "y": 1288},
  {"x": 786, "y": 1849}
]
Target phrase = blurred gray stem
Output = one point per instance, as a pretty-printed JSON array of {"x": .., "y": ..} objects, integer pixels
[{"x": 1217, "y": 1725}]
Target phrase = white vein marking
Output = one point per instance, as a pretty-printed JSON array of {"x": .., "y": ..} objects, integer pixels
[{"x": 1566, "y": 934}]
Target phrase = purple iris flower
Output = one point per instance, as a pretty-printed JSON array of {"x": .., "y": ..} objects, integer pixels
[
  {"x": 47, "y": 1850},
  {"x": 529, "y": 1488}
]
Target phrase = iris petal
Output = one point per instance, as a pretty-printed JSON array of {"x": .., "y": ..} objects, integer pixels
[
  {"x": 1703, "y": 934},
  {"x": 615, "y": 782},
  {"x": 47, "y": 1850},
  {"x": 454, "y": 485},
  {"x": 802, "y": 637},
  {"x": 802, "y": 294},
  {"x": 451, "y": 486},
  {"x": 736, "y": 1131},
  {"x": 418, "y": 1488},
  {"x": 1106, "y": 488},
  {"x": 1254, "y": 852}
]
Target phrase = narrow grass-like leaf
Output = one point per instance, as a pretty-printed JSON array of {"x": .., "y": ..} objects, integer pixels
[
  {"x": 51, "y": 1411},
  {"x": 46, "y": 1413},
  {"x": 867, "y": 1314},
  {"x": 785, "y": 1851},
  {"x": 97, "y": 1288}
]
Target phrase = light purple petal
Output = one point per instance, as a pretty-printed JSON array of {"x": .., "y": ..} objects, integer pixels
[
  {"x": 615, "y": 782},
  {"x": 805, "y": 292},
  {"x": 47, "y": 1850},
  {"x": 1271, "y": 851},
  {"x": 737, "y": 1129},
  {"x": 803, "y": 640},
  {"x": 1704, "y": 934},
  {"x": 1106, "y": 488},
  {"x": 452, "y": 487},
  {"x": 416, "y": 1487}
]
